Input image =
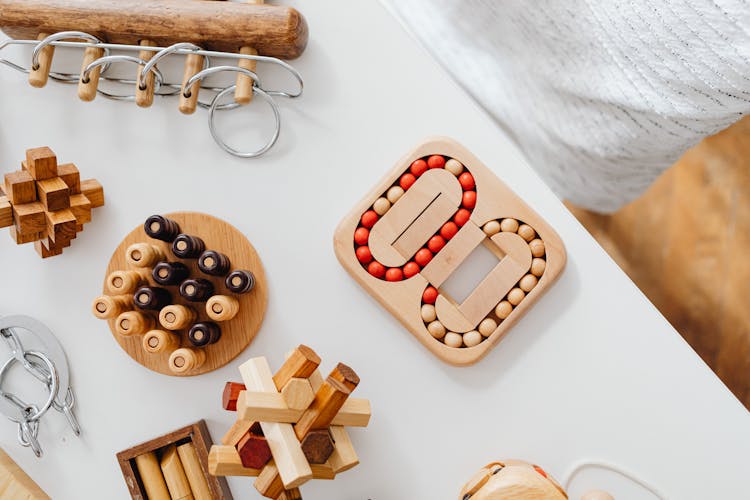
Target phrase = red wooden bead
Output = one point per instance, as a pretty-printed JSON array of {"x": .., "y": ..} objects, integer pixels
[
  {"x": 406, "y": 181},
  {"x": 436, "y": 161},
  {"x": 436, "y": 243},
  {"x": 369, "y": 218},
  {"x": 448, "y": 230},
  {"x": 430, "y": 295},
  {"x": 466, "y": 180},
  {"x": 410, "y": 269},
  {"x": 461, "y": 217},
  {"x": 394, "y": 274},
  {"x": 423, "y": 257},
  {"x": 469, "y": 199},
  {"x": 361, "y": 236},
  {"x": 363, "y": 254},
  {"x": 418, "y": 167},
  {"x": 376, "y": 269}
]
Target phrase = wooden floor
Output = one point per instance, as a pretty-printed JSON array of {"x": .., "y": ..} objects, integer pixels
[{"x": 686, "y": 244}]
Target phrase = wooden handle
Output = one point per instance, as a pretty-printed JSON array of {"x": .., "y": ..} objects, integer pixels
[
  {"x": 193, "y": 64},
  {"x": 87, "y": 89},
  {"x": 185, "y": 359},
  {"x": 110, "y": 307},
  {"x": 38, "y": 76},
  {"x": 144, "y": 85},
  {"x": 222, "y": 307},
  {"x": 272, "y": 30}
]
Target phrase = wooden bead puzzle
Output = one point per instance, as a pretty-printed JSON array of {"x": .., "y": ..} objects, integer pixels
[
  {"x": 291, "y": 426},
  {"x": 166, "y": 311},
  {"x": 406, "y": 238},
  {"x": 173, "y": 466},
  {"x": 46, "y": 203}
]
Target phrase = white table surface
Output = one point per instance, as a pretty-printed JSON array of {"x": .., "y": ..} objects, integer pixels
[{"x": 593, "y": 372}]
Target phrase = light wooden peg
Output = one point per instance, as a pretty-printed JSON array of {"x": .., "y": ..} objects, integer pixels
[
  {"x": 87, "y": 88},
  {"x": 194, "y": 472},
  {"x": 144, "y": 255},
  {"x": 174, "y": 474},
  {"x": 133, "y": 323},
  {"x": 38, "y": 76},
  {"x": 176, "y": 317},
  {"x": 193, "y": 64},
  {"x": 144, "y": 86},
  {"x": 243, "y": 93},
  {"x": 222, "y": 307},
  {"x": 184, "y": 359},
  {"x": 151, "y": 476},
  {"x": 110, "y": 307},
  {"x": 125, "y": 282},
  {"x": 156, "y": 341}
]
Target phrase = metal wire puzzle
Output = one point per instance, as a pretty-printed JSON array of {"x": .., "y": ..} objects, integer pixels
[{"x": 81, "y": 40}]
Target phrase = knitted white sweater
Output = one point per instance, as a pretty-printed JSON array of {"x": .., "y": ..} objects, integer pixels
[{"x": 602, "y": 96}]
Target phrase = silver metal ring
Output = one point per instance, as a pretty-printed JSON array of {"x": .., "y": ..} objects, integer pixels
[
  {"x": 243, "y": 154},
  {"x": 218, "y": 69},
  {"x": 159, "y": 79},
  {"x": 52, "y": 385},
  {"x": 63, "y": 35},
  {"x": 169, "y": 50}
]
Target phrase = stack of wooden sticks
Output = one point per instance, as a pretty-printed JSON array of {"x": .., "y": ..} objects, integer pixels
[{"x": 290, "y": 426}]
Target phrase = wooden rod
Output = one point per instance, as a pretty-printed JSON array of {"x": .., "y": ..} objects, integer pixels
[
  {"x": 87, "y": 88},
  {"x": 38, "y": 76},
  {"x": 189, "y": 100},
  {"x": 144, "y": 85},
  {"x": 272, "y": 30},
  {"x": 194, "y": 472},
  {"x": 151, "y": 476},
  {"x": 174, "y": 475}
]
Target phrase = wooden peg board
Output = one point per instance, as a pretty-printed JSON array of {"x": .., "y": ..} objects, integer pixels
[
  {"x": 415, "y": 228},
  {"x": 238, "y": 332}
]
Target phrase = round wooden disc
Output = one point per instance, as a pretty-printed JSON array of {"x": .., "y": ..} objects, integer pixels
[{"x": 237, "y": 333}]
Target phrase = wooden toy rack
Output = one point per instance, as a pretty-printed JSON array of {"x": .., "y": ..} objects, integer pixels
[
  {"x": 144, "y": 32},
  {"x": 291, "y": 425},
  {"x": 46, "y": 203},
  {"x": 187, "y": 300},
  {"x": 406, "y": 238}
]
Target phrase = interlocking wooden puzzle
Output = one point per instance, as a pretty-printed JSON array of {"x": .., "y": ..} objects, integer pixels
[
  {"x": 409, "y": 235},
  {"x": 291, "y": 426},
  {"x": 46, "y": 203},
  {"x": 184, "y": 293}
]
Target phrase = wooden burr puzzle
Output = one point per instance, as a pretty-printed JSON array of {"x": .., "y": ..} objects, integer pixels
[
  {"x": 46, "y": 203},
  {"x": 291, "y": 425},
  {"x": 184, "y": 293},
  {"x": 15, "y": 483},
  {"x": 173, "y": 466},
  {"x": 413, "y": 231}
]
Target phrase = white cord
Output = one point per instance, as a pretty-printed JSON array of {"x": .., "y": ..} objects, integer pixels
[{"x": 604, "y": 465}]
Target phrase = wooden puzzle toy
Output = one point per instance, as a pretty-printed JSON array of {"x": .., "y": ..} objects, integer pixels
[
  {"x": 143, "y": 33},
  {"x": 173, "y": 466},
  {"x": 291, "y": 425},
  {"x": 166, "y": 311},
  {"x": 411, "y": 233},
  {"x": 46, "y": 203},
  {"x": 15, "y": 483}
]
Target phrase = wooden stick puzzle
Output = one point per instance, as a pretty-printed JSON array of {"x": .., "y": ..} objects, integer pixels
[
  {"x": 46, "y": 203},
  {"x": 406, "y": 238},
  {"x": 184, "y": 293},
  {"x": 291, "y": 426}
]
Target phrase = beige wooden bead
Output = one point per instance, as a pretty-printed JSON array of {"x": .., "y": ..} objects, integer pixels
[
  {"x": 111, "y": 306},
  {"x": 156, "y": 341},
  {"x": 381, "y": 206},
  {"x": 454, "y": 166},
  {"x": 472, "y": 338},
  {"x": 428, "y": 313},
  {"x": 528, "y": 282},
  {"x": 509, "y": 225},
  {"x": 222, "y": 307},
  {"x": 177, "y": 317},
  {"x": 537, "y": 247},
  {"x": 487, "y": 326},
  {"x": 503, "y": 309},
  {"x": 133, "y": 323},
  {"x": 143, "y": 255},
  {"x": 492, "y": 227},
  {"x": 394, "y": 194},
  {"x": 453, "y": 339},
  {"x": 436, "y": 329},
  {"x": 526, "y": 232},
  {"x": 515, "y": 296},
  {"x": 185, "y": 359},
  {"x": 121, "y": 282},
  {"x": 538, "y": 266}
]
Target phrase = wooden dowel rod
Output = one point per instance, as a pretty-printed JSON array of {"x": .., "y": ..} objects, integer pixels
[
  {"x": 144, "y": 86},
  {"x": 194, "y": 471},
  {"x": 87, "y": 88},
  {"x": 174, "y": 475},
  {"x": 277, "y": 31},
  {"x": 189, "y": 100},
  {"x": 152, "y": 477},
  {"x": 38, "y": 76}
]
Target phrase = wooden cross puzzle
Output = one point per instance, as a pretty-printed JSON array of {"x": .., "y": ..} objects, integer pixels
[
  {"x": 413, "y": 231},
  {"x": 290, "y": 426},
  {"x": 47, "y": 203}
]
